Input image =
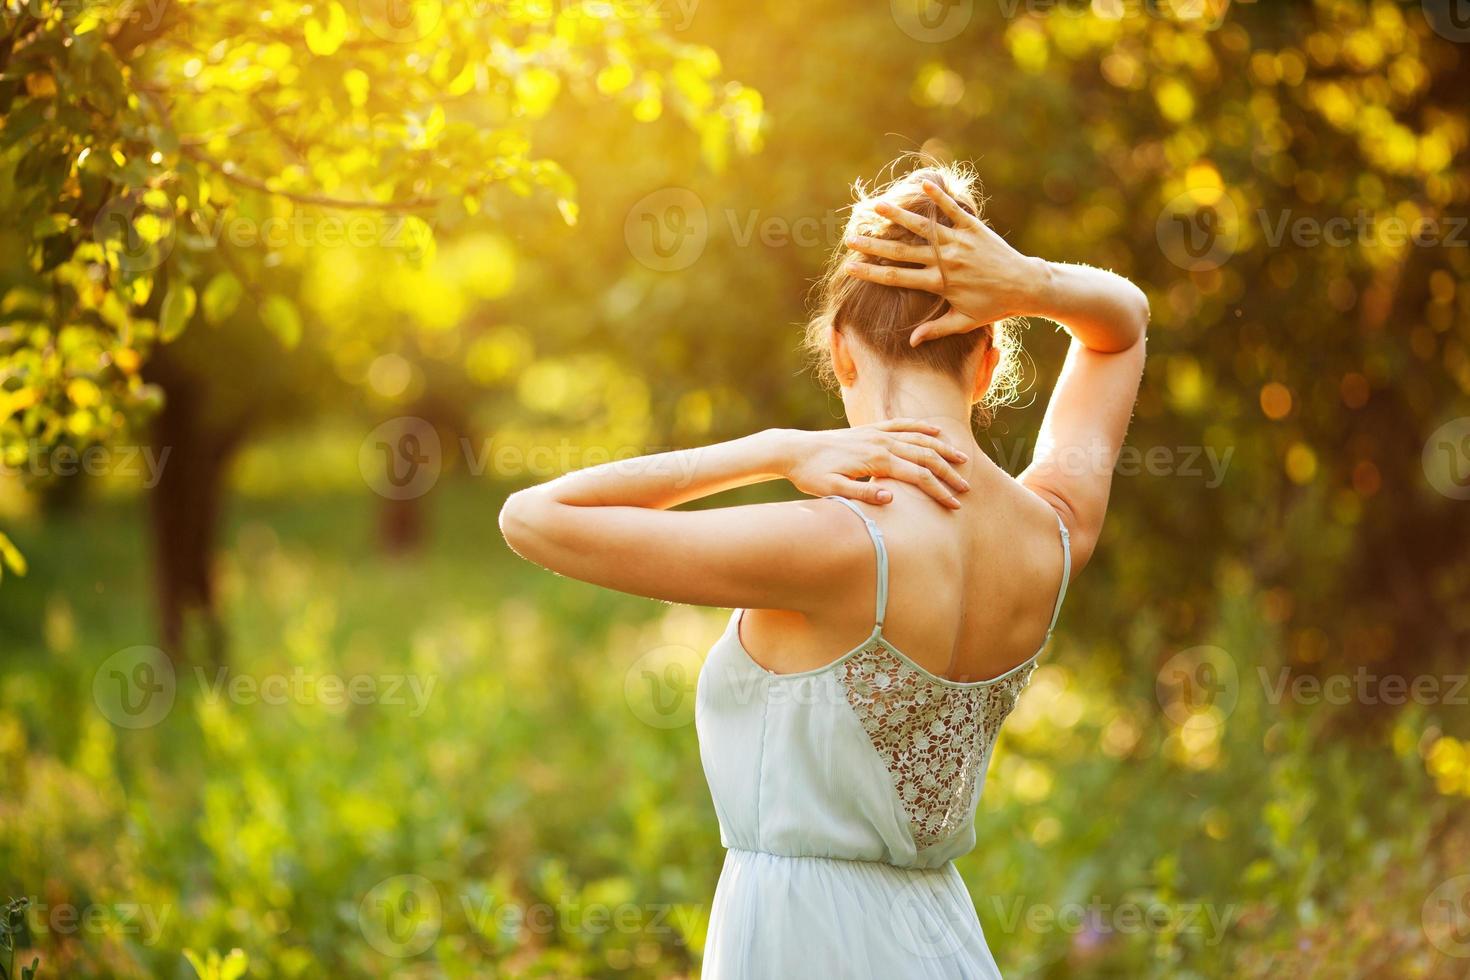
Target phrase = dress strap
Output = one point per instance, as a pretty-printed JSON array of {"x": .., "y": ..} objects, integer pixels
[
  {"x": 876, "y": 534},
  {"x": 1066, "y": 574}
]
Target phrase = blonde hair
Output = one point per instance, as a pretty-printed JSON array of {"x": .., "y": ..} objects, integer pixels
[{"x": 883, "y": 317}]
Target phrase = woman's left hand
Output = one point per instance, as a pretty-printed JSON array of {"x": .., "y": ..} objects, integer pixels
[
  {"x": 981, "y": 275},
  {"x": 840, "y": 461}
]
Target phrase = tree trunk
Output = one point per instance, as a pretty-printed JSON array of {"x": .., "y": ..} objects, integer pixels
[{"x": 185, "y": 509}]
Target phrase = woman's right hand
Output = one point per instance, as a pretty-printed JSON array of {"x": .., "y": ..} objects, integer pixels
[{"x": 841, "y": 461}]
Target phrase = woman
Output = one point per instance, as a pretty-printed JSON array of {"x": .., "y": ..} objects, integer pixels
[{"x": 846, "y": 783}]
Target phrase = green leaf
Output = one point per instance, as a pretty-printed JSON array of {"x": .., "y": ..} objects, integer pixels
[
  {"x": 280, "y": 317},
  {"x": 10, "y": 557},
  {"x": 221, "y": 298},
  {"x": 178, "y": 307}
]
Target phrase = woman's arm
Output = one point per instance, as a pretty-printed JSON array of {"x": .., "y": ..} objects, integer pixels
[
  {"x": 609, "y": 525},
  {"x": 985, "y": 280}
]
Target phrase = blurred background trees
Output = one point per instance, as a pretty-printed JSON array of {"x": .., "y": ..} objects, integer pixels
[{"x": 556, "y": 232}]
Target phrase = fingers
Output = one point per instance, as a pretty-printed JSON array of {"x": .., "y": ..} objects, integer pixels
[
  {"x": 925, "y": 480},
  {"x": 951, "y": 207},
  {"x": 908, "y": 425},
  {"x": 934, "y": 462},
  {"x": 860, "y": 490},
  {"x": 937, "y": 445},
  {"x": 898, "y": 251},
  {"x": 947, "y": 325},
  {"x": 892, "y": 275},
  {"x": 930, "y": 230}
]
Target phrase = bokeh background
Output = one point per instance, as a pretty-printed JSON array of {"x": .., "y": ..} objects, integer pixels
[{"x": 292, "y": 295}]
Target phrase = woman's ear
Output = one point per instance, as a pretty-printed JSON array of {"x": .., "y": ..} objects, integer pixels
[
  {"x": 985, "y": 366},
  {"x": 843, "y": 364}
]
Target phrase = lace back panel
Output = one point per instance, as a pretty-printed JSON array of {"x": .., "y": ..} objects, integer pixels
[{"x": 934, "y": 737}]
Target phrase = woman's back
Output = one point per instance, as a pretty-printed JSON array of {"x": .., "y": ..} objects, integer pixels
[{"x": 971, "y": 591}]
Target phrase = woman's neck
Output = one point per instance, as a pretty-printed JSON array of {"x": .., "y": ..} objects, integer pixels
[{"x": 912, "y": 395}]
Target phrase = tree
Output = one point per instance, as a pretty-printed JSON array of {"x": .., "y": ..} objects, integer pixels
[{"x": 137, "y": 137}]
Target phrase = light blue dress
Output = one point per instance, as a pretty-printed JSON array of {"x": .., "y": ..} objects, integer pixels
[{"x": 844, "y": 794}]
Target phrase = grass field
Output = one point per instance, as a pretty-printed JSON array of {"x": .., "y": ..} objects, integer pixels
[{"x": 457, "y": 765}]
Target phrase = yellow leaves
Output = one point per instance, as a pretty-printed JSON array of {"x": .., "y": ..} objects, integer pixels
[
  {"x": 84, "y": 393},
  {"x": 178, "y": 307},
  {"x": 128, "y": 360},
  {"x": 692, "y": 86},
  {"x": 279, "y": 315},
  {"x": 1448, "y": 761},
  {"x": 11, "y": 558},
  {"x": 1175, "y": 101},
  {"x": 498, "y": 355},
  {"x": 324, "y": 37},
  {"x": 938, "y": 85},
  {"x": 1301, "y": 463},
  {"x": 1028, "y": 46},
  {"x": 221, "y": 297},
  {"x": 568, "y": 209},
  {"x": 357, "y": 84},
  {"x": 614, "y": 78},
  {"x": 40, "y": 85},
  {"x": 1186, "y": 383},
  {"x": 536, "y": 91},
  {"x": 650, "y": 104}
]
